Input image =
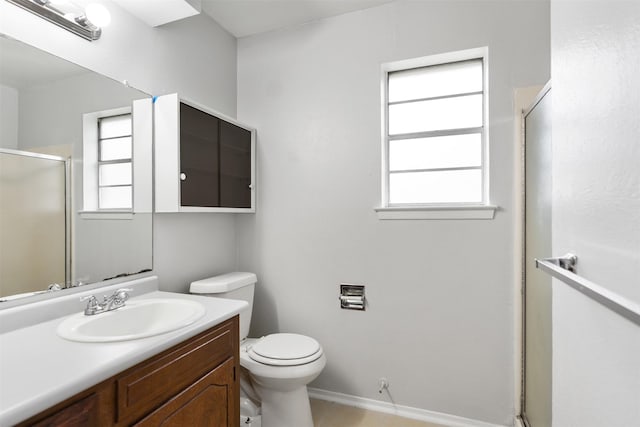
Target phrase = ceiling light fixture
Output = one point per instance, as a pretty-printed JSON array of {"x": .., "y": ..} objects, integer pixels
[{"x": 85, "y": 23}]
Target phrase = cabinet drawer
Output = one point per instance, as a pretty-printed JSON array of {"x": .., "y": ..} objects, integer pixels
[{"x": 150, "y": 384}]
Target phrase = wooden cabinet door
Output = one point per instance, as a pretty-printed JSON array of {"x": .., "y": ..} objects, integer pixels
[
  {"x": 209, "y": 402},
  {"x": 83, "y": 412},
  {"x": 94, "y": 407}
]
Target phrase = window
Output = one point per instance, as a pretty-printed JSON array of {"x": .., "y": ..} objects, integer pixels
[
  {"x": 115, "y": 184},
  {"x": 434, "y": 140},
  {"x": 107, "y": 161},
  {"x": 117, "y": 156}
]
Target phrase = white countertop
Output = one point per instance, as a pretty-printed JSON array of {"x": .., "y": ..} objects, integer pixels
[{"x": 38, "y": 369}]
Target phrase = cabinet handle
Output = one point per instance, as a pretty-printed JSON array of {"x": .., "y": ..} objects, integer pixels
[
  {"x": 183, "y": 176},
  {"x": 250, "y": 187}
]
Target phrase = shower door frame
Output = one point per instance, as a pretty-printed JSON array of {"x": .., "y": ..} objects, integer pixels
[{"x": 522, "y": 413}]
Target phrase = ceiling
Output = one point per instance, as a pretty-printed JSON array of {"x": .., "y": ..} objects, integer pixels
[
  {"x": 247, "y": 17},
  {"x": 240, "y": 17}
]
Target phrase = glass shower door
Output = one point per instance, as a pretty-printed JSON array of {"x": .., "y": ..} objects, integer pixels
[
  {"x": 536, "y": 402},
  {"x": 33, "y": 231}
]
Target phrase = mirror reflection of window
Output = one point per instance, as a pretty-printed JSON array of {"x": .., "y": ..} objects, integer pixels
[
  {"x": 115, "y": 183},
  {"x": 108, "y": 149}
]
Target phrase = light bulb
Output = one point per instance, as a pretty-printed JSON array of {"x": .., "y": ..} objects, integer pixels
[{"x": 98, "y": 15}]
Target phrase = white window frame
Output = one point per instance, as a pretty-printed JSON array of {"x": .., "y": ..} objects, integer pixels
[
  {"x": 141, "y": 161},
  {"x": 482, "y": 210}
]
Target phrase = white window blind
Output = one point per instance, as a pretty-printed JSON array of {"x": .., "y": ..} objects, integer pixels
[
  {"x": 435, "y": 134},
  {"x": 115, "y": 182}
]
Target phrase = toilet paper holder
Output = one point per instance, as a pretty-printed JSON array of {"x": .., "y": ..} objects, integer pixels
[{"x": 352, "y": 296}]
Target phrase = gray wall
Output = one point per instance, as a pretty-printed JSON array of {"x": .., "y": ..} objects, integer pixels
[
  {"x": 440, "y": 319},
  {"x": 194, "y": 57},
  {"x": 596, "y": 208},
  {"x": 8, "y": 117}
]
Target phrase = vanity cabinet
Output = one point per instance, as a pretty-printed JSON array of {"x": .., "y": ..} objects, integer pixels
[
  {"x": 195, "y": 383},
  {"x": 204, "y": 161}
]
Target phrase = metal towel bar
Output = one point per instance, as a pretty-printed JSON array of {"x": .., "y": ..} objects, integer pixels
[{"x": 563, "y": 268}]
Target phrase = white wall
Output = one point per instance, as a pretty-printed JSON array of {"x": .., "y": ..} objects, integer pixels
[
  {"x": 8, "y": 117},
  {"x": 439, "y": 324},
  {"x": 194, "y": 57},
  {"x": 596, "y": 208}
]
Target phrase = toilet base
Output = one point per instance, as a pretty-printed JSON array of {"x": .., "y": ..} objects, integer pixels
[
  {"x": 255, "y": 421},
  {"x": 286, "y": 408}
]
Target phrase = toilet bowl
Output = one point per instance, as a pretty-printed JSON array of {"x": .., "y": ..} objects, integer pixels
[
  {"x": 280, "y": 380},
  {"x": 279, "y": 365}
]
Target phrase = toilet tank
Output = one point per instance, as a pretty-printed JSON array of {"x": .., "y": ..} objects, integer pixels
[{"x": 235, "y": 285}]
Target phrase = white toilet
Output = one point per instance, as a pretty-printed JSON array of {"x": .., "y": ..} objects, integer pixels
[{"x": 280, "y": 365}]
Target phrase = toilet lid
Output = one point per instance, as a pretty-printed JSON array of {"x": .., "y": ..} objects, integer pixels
[{"x": 285, "y": 350}]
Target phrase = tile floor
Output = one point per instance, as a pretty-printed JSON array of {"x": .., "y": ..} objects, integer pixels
[{"x": 330, "y": 414}]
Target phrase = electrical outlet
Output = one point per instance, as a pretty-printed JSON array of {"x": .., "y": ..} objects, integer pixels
[{"x": 383, "y": 384}]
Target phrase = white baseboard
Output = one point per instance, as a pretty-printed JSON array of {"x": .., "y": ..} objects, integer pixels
[{"x": 399, "y": 410}]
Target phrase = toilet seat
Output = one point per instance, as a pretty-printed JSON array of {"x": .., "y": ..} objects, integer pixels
[{"x": 285, "y": 350}]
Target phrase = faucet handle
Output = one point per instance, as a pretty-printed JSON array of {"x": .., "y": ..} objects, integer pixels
[
  {"x": 122, "y": 293},
  {"x": 92, "y": 306},
  {"x": 91, "y": 298}
]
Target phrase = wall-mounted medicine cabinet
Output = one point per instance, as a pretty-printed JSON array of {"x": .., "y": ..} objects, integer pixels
[{"x": 204, "y": 161}]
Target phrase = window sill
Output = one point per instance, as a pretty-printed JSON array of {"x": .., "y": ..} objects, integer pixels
[
  {"x": 106, "y": 214},
  {"x": 438, "y": 212}
]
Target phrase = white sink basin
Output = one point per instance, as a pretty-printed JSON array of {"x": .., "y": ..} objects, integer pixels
[{"x": 137, "y": 319}]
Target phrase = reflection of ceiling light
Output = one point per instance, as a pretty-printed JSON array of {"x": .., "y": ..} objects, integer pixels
[
  {"x": 84, "y": 23},
  {"x": 97, "y": 14}
]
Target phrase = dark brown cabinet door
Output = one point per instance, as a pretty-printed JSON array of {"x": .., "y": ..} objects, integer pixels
[
  {"x": 199, "y": 158},
  {"x": 235, "y": 166},
  {"x": 83, "y": 412},
  {"x": 215, "y": 161},
  {"x": 209, "y": 402}
]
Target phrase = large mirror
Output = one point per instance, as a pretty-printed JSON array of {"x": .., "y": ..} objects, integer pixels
[{"x": 75, "y": 175}]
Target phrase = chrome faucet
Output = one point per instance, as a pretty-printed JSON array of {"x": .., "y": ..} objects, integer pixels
[{"x": 112, "y": 302}]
